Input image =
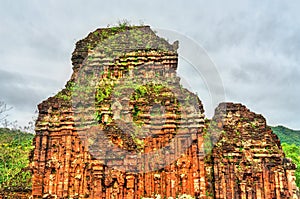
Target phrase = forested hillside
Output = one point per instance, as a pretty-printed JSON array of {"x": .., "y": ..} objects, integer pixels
[
  {"x": 15, "y": 148},
  {"x": 287, "y": 135},
  {"x": 290, "y": 142}
]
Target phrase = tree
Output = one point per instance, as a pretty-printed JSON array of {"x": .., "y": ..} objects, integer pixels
[{"x": 3, "y": 113}]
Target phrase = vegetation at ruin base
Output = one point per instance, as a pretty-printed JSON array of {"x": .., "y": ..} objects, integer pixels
[{"x": 15, "y": 147}]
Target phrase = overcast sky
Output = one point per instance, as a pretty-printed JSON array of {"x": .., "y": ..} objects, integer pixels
[{"x": 255, "y": 46}]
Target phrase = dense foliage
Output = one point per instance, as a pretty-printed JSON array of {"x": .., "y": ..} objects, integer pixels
[
  {"x": 15, "y": 147},
  {"x": 293, "y": 152},
  {"x": 290, "y": 142}
]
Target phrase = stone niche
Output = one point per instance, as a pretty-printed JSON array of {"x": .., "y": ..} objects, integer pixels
[{"x": 124, "y": 127}]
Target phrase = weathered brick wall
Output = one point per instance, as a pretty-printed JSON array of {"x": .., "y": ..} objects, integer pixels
[
  {"x": 248, "y": 161},
  {"x": 124, "y": 128}
]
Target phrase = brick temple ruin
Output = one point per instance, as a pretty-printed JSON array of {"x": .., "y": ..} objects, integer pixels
[{"x": 124, "y": 127}]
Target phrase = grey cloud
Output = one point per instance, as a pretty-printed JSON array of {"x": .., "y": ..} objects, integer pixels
[{"x": 23, "y": 92}]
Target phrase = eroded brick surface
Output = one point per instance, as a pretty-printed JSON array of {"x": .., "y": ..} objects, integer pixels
[{"x": 248, "y": 161}]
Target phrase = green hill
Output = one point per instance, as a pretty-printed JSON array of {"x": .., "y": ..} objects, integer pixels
[
  {"x": 15, "y": 148},
  {"x": 287, "y": 135},
  {"x": 290, "y": 142}
]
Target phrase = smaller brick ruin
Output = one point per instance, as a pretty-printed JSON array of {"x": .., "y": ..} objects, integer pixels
[
  {"x": 248, "y": 161},
  {"x": 124, "y": 127}
]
